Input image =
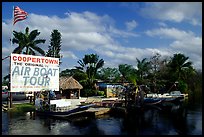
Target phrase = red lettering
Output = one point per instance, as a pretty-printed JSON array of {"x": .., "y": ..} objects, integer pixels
[
  {"x": 14, "y": 58},
  {"x": 46, "y": 60},
  {"x": 19, "y": 58},
  {"x": 33, "y": 59},
  {"x": 38, "y": 60},
  {"x": 28, "y": 59},
  {"x": 42, "y": 60},
  {"x": 24, "y": 59},
  {"x": 56, "y": 62}
]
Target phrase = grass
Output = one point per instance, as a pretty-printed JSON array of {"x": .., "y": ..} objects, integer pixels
[{"x": 25, "y": 107}]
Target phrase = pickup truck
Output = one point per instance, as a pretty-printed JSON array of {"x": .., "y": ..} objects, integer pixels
[
  {"x": 29, "y": 95},
  {"x": 15, "y": 95}
]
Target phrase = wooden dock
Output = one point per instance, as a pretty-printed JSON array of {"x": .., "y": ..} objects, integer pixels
[{"x": 98, "y": 111}]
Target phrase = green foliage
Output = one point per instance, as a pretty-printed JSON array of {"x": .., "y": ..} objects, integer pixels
[
  {"x": 128, "y": 73},
  {"x": 25, "y": 107},
  {"x": 28, "y": 42},
  {"x": 55, "y": 45},
  {"x": 6, "y": 80},
  {"x": 90, "y": 64},
  {"x": 157, "y": 73},
  {"x": 100, "y": 93},
  {"x": 91, "y": 92},
  {"x": 178, "y": 64},
  {"x": 182, "y": 86},
  {"x": 109, "y": 74},
  {"x": 143, "y": 68},
  {"x": 88, "y": 92}
]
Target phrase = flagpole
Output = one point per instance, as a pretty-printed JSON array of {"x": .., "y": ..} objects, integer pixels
[
  {"x": 12, "y": 25},
  {"x": 10, "y": 95}
]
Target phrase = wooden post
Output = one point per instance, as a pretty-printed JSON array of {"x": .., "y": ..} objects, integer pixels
[
  {"x": 79, "y": 94},
  {"x": 10, "y": 94},
  {"x": 125, "y": 97},
  {"x": 31, "y": 97},
  {"x": 49, "y": 100},
  {"x": 9, "y": 101},
  {"x": 34, "y": 98}
]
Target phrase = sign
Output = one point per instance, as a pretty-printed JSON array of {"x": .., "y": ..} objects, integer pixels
[
  {"x": 34, "y": 73},
  {"x": 113, "y": 90}
]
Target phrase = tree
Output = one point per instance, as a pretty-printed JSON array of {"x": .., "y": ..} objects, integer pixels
[
  {"x": 143, "y": 68},
  {"x": 55, "y": 45},
  {"x": 128, "y": 73},
  {"x": 156, "y": 65},
  {"x": 75, "y": 73},
  {"x": 6, "y": 80},
  {"x": 90, "y": 64},
  {"x": 27, "y": 42},
  {"x": 178, "y": 64},
  {"x": 109, "y": 74}
]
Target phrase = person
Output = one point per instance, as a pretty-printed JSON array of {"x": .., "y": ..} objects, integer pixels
[
  {"x": 52, "y": 95},
  {"x": 141, "y": 94}
]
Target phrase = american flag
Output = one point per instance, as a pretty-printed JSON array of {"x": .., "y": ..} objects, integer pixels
[{"x": 19, "y": 14}]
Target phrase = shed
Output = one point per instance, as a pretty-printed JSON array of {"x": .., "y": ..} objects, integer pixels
[{"x": 70, "y": 87}]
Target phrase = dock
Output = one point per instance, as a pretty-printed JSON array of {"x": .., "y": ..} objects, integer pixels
[{"x": 98, "y": 111}]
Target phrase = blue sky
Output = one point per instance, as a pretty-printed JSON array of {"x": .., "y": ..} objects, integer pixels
[{"x": 119, "y": 32}]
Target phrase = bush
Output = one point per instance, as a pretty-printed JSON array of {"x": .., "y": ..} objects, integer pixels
[
  {"x": 88, "y": 92},
  {"x": 183, "y": 87},
  {"x": 19, "y": 108},
  {"x": 100, "y": 93}
]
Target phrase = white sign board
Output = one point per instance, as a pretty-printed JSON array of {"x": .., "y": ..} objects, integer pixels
[{"x": 34, "y": 73}]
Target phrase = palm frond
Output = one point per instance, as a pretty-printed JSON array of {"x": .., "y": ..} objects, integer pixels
[
  {"x": 18, "y": 50},
  {"x": 36, "y": 48},
  {"x": 31, "y": 52},
  {"x": 33, "y": 35},
  {"x": 39, "y": 41}
]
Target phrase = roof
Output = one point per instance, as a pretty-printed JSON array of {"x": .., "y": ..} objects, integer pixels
[{"x": 69, "y": 83}]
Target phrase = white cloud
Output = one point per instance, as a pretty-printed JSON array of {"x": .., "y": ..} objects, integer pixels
[
  {"x": 120, "y": 33},
  {"x": 80, "y": 32},
  {"x": 174, "y": 11},
  {"x": 171, "y": 33},
  {"x": 162, "y": 24},
  {"x": 88, "y": 32},
  {"x": 131, "y": 25},
  {"x": 68, "y": 54},
  {"x": 184, "y": 41}
]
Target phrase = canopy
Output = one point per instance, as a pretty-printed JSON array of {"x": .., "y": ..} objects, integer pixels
[{"x": 69, "y": 83}]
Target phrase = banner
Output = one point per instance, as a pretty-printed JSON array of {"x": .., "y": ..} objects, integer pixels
[{"x": 34, "y": 73}]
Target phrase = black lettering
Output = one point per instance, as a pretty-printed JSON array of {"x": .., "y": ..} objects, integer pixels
[
  {"x": 27, "y": 70},
  {"x": 25, "y": 81},
  {"x": 43, "y": 71},
  {"x": 55, "y": 71},
  {"x": 47, "y": 81},
  {"x": 41, "y": 80},
  {"x": 33, "y": 80},
  {"x": 36, "y": 72},
  {"x": 16, "y": 70}
]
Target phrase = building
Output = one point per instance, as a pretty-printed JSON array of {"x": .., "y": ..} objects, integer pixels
[{"x": 69, "y": 87}]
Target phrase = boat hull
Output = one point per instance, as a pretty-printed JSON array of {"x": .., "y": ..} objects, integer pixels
[{"x": 64, "y": 113}]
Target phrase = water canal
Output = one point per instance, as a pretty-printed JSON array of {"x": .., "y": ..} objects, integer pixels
[{"x": 150, "y": 122}]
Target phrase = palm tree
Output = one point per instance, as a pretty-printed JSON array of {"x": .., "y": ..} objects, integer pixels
[
  {"x": 178, "y": 64},
  {"x": 27, "y": 42},
  {"x": 143, "y": 68},
  {"x": 109, "y": 74},
  {"x": 128, "y": 73},
  {"x": 90, "y": 64}
]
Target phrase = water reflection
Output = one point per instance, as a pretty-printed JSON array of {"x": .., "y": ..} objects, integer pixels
[{"x": 180, "y": 120}]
